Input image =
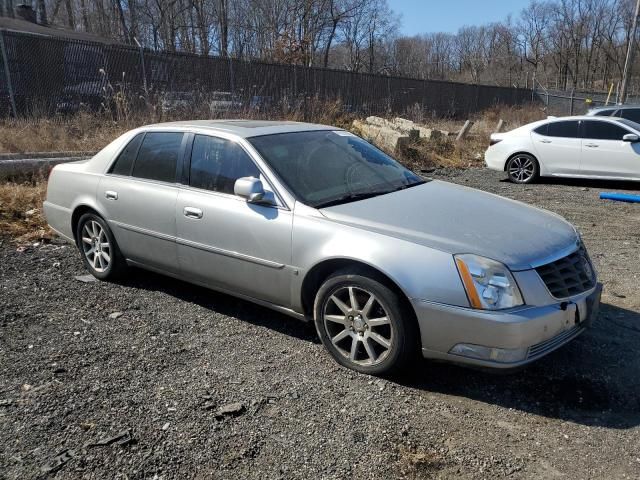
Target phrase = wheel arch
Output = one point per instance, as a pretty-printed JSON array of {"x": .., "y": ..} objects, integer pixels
[
  {"x": 78, "y": 211},
  {"x": 318, "y": 274}
]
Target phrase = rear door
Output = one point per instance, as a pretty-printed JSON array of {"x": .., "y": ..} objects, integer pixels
[
  {"x": 223, "y": 240},
  {"x": 605, "y": 154},
  {"x": 558, "y": 147},
  {"x": 139, "y": 195}
]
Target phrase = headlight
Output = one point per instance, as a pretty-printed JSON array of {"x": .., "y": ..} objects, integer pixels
[{"x": 489, "y": 284}]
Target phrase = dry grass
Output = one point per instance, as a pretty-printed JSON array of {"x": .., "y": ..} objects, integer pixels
[
  {"x": 87, "y": 131},
  {"x": 21, "y": 216},
  {"x": 445, "y": 152}
]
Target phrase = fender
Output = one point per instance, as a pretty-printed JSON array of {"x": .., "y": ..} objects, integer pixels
[{"x": 410, "y": 266}]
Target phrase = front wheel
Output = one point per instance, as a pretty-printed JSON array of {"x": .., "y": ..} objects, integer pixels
[
  {"x": 364, "y": 325},
  {"x": 523, "y": 168},
  {"x": 98, "y": 247}
]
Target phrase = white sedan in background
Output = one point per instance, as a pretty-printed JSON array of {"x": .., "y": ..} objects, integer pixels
[{"x": 582, "y": 147}]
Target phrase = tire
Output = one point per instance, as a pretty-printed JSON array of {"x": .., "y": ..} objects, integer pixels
[
  {"x": 383, "y": 330},
  {"x": 523, "y": 168},
  {"x": 98, "y": 248}
]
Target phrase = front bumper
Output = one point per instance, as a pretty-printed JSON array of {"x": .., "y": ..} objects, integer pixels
[{"x": 536, "y": 331}]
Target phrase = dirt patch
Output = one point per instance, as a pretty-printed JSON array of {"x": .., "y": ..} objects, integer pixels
[{"x": 146, "y": 377}]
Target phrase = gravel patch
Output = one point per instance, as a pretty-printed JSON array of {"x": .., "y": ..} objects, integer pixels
[{"x": 156, "y": 378}]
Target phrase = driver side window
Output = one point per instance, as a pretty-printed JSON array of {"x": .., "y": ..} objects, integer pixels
[{"x": 217, "y": 163}]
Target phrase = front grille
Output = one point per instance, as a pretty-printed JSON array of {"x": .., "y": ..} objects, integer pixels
[
  {"x": 569, "y": 276},
  {"x": 544, "y": 347}
]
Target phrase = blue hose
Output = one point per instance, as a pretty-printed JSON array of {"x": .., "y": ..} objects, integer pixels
[{"x": 621, "y": 197}]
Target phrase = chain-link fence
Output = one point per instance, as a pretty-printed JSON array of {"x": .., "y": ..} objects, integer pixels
[
  {"x": 560, "y": 102},
  {"x": 46, "y": 76}
]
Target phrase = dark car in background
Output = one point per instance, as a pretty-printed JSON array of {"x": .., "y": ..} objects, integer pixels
[{"x": 630, "y": 112}]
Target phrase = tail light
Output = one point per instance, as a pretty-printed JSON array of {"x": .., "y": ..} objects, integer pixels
[{"x": 493, "y": 141}]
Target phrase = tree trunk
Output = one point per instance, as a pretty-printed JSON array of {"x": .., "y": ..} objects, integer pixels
[
  {"x": 334, "y": 26},
  {"x": 70, "y": 19},
  {"x": 42, "y": 12},
  {"x": 9, "y": 8},
  {"x": 223, "y": 20},
  {"x": 123, "y": 23}
]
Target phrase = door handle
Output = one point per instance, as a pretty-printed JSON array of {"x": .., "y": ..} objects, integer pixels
[
  {"x": 111, "y": 195},
  {"x": 544, "y": 140},
  {"x": 192, "y": 212},
  {"x": 591, "y": 145}
]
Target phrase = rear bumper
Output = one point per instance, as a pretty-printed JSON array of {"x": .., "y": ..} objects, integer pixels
[
  {"x": 495, "y": 159},
  {"x": 59, "y": 219},
  {"x": 533, "y": 331}
]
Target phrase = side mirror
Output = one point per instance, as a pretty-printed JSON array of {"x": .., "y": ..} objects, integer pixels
[
  {"x": 251, "y": 188},
  {"x": 631, "y": 137}
]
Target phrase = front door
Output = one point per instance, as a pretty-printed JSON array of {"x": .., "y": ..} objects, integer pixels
[
  {"x": 223, "y": 240},
  {"x": 605, "y": 154}
]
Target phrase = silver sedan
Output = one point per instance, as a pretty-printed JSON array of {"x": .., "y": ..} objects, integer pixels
[{"x": 313, "y": 221}]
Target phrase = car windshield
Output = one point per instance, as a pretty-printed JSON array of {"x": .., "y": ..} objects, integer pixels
[{"x": 324, "y": 168}]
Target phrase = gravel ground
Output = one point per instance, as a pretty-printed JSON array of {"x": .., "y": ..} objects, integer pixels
[{"x": 154, "y": 378}]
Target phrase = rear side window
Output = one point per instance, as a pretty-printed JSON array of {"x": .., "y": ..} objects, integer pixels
[
  {"x": 632, "y": 114},
  {"x": 604, "y": 113},
  {"x": 567, "y": 129},
  {"x": 542, "y": 129},
  {"x": 122, "y": 165},
  {"x": 602, "y": 130},
  {"x": 158, "y": 156},
  {"x": 217, "y": 163}
]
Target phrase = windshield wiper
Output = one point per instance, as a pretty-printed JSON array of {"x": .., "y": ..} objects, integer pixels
[
  {"x": 350, "y": 197},
  {"x": 354, "y": 197}
]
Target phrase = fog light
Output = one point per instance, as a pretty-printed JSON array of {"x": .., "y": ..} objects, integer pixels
[{"x": 501, "y": 355}]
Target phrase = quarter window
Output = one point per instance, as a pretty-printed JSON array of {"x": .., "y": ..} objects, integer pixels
[
  {"x": 602, "y": 131},
  {"x": 567, "y": 129},
  {"x": 217, "y": 163},
  {"x": 158, "y": 156},
  {"x": 122, "y": 165}
]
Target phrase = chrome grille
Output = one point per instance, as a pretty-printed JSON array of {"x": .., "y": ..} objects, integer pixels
[
  {"x": 569, "y": 276},
  {"x": 553, "y": 343}
]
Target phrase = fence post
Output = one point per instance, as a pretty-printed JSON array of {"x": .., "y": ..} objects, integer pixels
[
  {"x": 7, "y": 74},
  {"x": 533, "y": 86},
  {"x": 144, "y": 73},
  {"x": 231, "y": 80},
  {"x": 573, "y": 90}
]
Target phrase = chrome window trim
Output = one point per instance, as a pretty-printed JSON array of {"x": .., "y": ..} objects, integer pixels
[{"x": 231, "y": 196}]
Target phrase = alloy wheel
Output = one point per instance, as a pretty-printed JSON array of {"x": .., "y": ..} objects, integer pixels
[
  {"x": 96, "y": 246},
  {"x": 521, "y": 169},
  {"x": 358, "y": 325}
]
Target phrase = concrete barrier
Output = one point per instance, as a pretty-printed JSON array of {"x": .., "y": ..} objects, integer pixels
[
  {"x": 393, "y": 134},
  {"x": 12, "y": 166}
]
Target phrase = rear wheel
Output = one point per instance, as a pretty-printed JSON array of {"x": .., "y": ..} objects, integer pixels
[
  {"x": 523, "y": 168},
  {"x": 363, "y": 324},
  {"x": 99, "y": 250}
]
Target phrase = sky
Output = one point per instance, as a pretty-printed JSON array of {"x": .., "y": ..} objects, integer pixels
[{"x": 422, "y": 16}]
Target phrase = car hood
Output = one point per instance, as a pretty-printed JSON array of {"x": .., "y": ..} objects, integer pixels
[{"x": 457, "y": 219}]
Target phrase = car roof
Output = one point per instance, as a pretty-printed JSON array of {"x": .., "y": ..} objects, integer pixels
[
  {"x": 613, "y": 107},
  {"x": 583, "y": 117},
  {"x": 243, "y": 128}
]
